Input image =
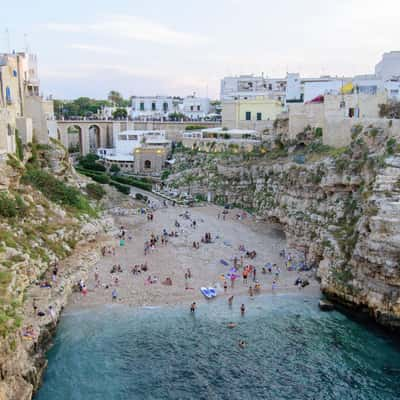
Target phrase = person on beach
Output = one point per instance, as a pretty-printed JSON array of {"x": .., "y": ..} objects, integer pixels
[
  {"x": 274, "y": 286},
  {"x": 193, "y": 307},
  {"x": 230, "y": 301},
  {"x": 254, "y": 274},
  {"x": 242, "y": 309},
  {"x": 114, "y": 294},
  {"x": 245, "y": 272},
  {"x": 233, "y": 277},
  {"x": 251, "y": 293},
  {"x": 225, "y": 286},
  {"x": 55, "y": 271}
]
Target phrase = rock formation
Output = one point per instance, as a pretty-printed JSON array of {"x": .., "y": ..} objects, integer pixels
[{"x": 339, "y": 206}]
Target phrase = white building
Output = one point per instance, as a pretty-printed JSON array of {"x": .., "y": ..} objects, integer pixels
[
  {"x": 154, "y": 107},
  {"x": 125, "y": 144},
  {"x": 389, "y": 67},
  {"x": 196, "y": 108},
  {"x": 249, "y": 86},
  {"x": 295, "y": 89}
]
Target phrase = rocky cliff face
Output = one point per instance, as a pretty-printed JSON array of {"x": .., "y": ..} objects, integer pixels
[
  {"x": 340, "y": 206},
  {"x": 36, "y": 230}
]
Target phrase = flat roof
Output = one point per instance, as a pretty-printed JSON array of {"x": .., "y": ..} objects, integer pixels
[{"x": 119, "y": 157}]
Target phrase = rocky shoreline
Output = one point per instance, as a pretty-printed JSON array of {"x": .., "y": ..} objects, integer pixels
[{"x": 22, "y": 371}]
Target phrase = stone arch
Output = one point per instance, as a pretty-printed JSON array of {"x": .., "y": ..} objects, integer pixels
[
  {"x": 74, "y": 139},
  {"x": 94, "y": 138},
  {"x": 147, "y": 164}
]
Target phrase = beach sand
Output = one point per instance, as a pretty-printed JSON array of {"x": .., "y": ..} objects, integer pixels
[{"x": 174, "y": 259}]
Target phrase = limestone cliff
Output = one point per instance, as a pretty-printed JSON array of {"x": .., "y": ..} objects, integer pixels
[
  {"x": 340, "y": 206},
  {"x": 45, "y": 216}
]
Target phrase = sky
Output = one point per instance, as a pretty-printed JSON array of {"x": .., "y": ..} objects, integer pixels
[{"x": 177, "y": 47}]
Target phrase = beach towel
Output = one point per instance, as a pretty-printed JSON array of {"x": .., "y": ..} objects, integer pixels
[
  {"x": 223, "y": 262},
  {"x": 228, "y": 244}
]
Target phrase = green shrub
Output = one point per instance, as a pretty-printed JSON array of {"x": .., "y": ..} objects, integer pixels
[
  {"x": 390, "y": 146},
  {"x": 318, "y": 132},
  {"x": 120, "y": 187},
  {"x": 8, "y": 206},
  {"x": 194, "y": 128},
  {"x": 19, "y": 146},
  {"x": 128, "y": 180},
  {"x": 165, "y": 174},
  {"x": 56, "y": 190},
  {"x": 115, "y": 169},
  {"x": 95, "y": 191},
  {"x": 92, "y": 165},
  {"x": 103, "y": 178}
]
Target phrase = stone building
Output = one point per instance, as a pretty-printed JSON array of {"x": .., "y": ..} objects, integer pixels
[
  {"x": 22, "y": 108},
  {"x": 150, "y": 160}
]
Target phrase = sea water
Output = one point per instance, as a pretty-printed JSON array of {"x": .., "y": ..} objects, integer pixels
[{"x": 293, "y": 351}]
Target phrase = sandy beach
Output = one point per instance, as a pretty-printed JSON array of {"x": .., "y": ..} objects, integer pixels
[{"x": 173, "y": 260}]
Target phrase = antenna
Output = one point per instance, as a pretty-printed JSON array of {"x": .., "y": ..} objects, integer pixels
[
  {"x": 8, "y": 40},
  {"x": 26, "y": 42}
]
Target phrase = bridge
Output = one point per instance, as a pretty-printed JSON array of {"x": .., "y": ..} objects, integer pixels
[{"x": 92, "y": 134}]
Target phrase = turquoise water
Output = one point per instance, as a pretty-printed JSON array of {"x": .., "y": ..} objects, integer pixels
[{"x": 293, "y": 351}]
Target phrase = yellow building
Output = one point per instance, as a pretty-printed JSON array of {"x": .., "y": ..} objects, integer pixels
[{"x": 257, "y": 112}]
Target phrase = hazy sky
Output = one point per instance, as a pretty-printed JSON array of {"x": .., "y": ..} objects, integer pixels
[{"x": 175, "y": 47}]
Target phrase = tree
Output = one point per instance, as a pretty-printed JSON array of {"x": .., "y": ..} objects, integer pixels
[
  {"x": 176, "y": 116},
  {"x": 115, "y": 169},
  {"x": 115, "y": 98},
  {"x": 120, "y": 113}
]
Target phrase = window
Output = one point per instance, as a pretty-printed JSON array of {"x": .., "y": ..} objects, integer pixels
[
  {"x": 191, "y": 108},
  {"x": 8, "y": 95},
  {"x": 259, "y": 116},
  {"x": 121, "y": 137},
  {"x": 10, "y": 130},
  {"x": 198, "y": 108},
  {"x": 165, "y": 107},
  {"x": 132, "y": 137},
  {"x": 147, "y": 164},
  {"x": 14, "y": 73},
  {"x": 270, "y": 86},
  {"x": 248, "y": 115},
  {"x": 141, "y": 106},
  {"x": 153, "y": 106}
]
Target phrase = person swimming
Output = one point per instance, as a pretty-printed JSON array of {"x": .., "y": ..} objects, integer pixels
[
  {"x": 242, "y": 344},
  {"x": 231, "y": 325}
]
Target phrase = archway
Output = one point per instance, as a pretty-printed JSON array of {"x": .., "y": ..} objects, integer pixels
[
  {"x": 94, "y": 138},
  {"x": 147, "y": 164},
  {"x": 74, "y": 139}
]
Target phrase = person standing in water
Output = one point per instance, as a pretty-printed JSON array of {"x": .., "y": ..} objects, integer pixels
[
  {"x": 242, "y": 309},
  {"x": 193, "y": 307},
  {"x": 230, "y": 301}
]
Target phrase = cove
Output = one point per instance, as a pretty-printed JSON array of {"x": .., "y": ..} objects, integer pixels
[{"x": 294, "y": 351}]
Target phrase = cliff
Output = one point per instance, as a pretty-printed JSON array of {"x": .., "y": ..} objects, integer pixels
[
  {"x": 46, "y": 216},
  {"x": 340, "y": 206}
]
